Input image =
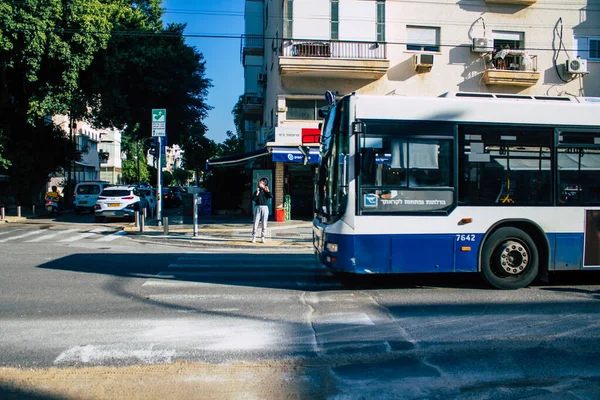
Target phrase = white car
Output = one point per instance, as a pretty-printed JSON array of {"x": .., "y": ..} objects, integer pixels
[
  {"x": 119, "y": 202},
  {"x": 150, "y": 194},
  {"x": 86, "y": 194}
]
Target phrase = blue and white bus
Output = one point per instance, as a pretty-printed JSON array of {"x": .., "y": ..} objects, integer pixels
[{"x": 507, "y": 186}]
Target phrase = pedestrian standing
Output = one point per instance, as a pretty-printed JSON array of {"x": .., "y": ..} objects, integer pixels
[{"x": 261, "y": 197}]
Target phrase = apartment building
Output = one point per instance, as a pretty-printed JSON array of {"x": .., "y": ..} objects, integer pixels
[
  {"x": 295, "y": 50},
  {"x": 86, "y": 140},
  {"x": 109, "y": 152}
]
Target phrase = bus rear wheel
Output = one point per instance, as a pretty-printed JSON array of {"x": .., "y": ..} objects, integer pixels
[{"x": 509, "y": 259}]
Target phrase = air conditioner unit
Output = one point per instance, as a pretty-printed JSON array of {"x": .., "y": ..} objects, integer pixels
[
  {"x": 423, "y": 62},
  {"x": 262, "y": 78},
  {"x": 482, "y": 45},
  {"x": 576, "y": 66}
]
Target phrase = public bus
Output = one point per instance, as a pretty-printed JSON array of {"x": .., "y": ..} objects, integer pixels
[{"x": 507, "y": 186}]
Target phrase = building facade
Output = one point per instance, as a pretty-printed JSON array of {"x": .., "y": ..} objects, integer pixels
[
  {"x": 110, "y": 156},
  {"x": 295, "y": 50}
]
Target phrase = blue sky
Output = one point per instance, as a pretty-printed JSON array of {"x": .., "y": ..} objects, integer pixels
[{"x": 222, "y": 55}]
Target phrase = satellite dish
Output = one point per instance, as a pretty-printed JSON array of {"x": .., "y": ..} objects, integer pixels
[{"x": 329, "y": 98}]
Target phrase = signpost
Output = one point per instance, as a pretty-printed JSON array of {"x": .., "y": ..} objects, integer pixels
[{"x": 159, "y": 130}]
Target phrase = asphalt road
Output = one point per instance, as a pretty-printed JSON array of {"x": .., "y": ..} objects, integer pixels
[{"x": 97, "y": 302}]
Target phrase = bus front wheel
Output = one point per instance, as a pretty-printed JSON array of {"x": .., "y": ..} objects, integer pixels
[{"x": 509, "y": 259}]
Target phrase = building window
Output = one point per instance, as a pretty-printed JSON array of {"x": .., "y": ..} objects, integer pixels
[
  {"x": 422, "y": 38},
  {"x": 508, "y": 40},
  {"x": 588, "y": 47},
  {"x": 288, "y": 15},
  {"x": 305, "y": 110},
  {"x": 380, "y": 20},
  {"x": 335, "y": 19}
]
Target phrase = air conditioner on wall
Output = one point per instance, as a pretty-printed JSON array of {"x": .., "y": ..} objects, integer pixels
[
  {"x": 576, "y": 66},
  {"x": 423, "y": 62},
  {"x": 482, "y": 45}
]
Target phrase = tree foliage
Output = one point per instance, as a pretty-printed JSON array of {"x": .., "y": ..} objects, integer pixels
[
  {"x": 181, "y": 176},
  {"x": 106, "y": 61}
]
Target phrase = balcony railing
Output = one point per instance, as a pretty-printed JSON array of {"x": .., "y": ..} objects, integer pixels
[
  {"x": 511, "y": 68},
  {"x": 513, "y": 60},
  {"x": 251, "y": 45},
  {"x": 334, "y": 49},
  {"x": 253, "y": 104}
]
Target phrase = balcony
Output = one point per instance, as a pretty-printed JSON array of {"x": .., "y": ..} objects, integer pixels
[
  {"x": 252, "y": 45},
  {"x": 253, "y": 105},
  {"x": 333, "y": 59},
  {"x": 512, "y": 68},
  {"x": 512, "y": 2}
]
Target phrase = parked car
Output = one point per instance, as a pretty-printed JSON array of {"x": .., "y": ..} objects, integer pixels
[
  {"x": 150, "y": 195},
  {"x": 172, "y": 197},
  {"x": 86, "y": 194},
  {"x": 119, "y": 202}
]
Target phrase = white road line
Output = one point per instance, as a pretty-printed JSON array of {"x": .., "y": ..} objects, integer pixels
[
  {"x": 11, "y": 231},
  {"x": 112, "y": 236},
  {"x": 22, "y": 236},
  {"x": 83, "y": 235},
  {"x": 56, "y": 233}
]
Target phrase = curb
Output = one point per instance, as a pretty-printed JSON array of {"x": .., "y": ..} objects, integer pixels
[{"x": 218, "y": 242}]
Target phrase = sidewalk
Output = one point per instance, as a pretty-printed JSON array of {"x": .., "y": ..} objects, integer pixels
[{"x": 224, "y": 232}]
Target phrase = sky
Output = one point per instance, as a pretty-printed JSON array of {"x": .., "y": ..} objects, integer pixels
[{"x": 222, "y": 55}]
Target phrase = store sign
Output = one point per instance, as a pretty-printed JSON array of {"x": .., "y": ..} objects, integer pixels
[
  {"x": 294, "y": 156},
  {"x": 288, "y": 135}
]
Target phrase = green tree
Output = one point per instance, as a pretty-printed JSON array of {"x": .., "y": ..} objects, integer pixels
[
  {"x": 232, "y": 145},
  {"x": 135, "y": 166},
  {"x": 44, "y": 45},
  {"x": 181, "y": 176},
  {"x": 167, "y": 178}
]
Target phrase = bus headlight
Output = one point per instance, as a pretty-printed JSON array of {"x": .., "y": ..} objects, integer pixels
[{"x": 332, "y": 247}]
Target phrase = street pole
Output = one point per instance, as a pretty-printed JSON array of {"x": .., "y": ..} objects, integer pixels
[
  {"x": 158, "y": 181},
  {"x": 137, "y": 156}
]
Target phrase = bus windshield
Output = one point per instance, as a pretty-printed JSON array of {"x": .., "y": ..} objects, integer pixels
[{"x": 332, "y": 177}]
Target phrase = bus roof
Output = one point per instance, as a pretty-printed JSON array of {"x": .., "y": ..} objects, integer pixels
[{"x": 483, "y": 108}]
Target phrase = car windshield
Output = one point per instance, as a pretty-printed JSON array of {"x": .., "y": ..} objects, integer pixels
[{"x": 115, "y": 192}]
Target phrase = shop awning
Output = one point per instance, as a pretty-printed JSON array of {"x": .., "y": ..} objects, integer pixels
[{"x": 236, "y": 159}]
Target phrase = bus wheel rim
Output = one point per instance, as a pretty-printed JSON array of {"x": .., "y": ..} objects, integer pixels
[{"x": 513, "y": 257}]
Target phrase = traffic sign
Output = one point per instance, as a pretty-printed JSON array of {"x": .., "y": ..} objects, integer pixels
[{"x": 159, "y": 122}]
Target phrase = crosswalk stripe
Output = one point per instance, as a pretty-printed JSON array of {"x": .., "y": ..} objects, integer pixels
[
  {"x": 50, "y": 236},
  {"x": 22, "y": 236},
  {"x": 83, "y": 235},
  {"x": 112, "y": 236}
]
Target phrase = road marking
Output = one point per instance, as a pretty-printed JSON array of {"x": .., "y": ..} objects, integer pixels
[
  {"x": 83, "y": 235},
  {"x": 112, "y": 236},
  {"x": 40, "y": 238},
  {"x": 7, "y": 232},
  {"x": 21, "y": 236}
]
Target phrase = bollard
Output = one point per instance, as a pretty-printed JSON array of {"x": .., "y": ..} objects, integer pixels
[
  {"x": 145, "y": 213},
  {"x": 143, "y": 223},
  {"x": 2, "y": 215},
  {"x": 137, "y": 219},
  {"x": 33, "y": 209},
  {"x": 166, "y": 225},
  {"x": 195, "y": 213},
  {"x": 19, "y": 211}
]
